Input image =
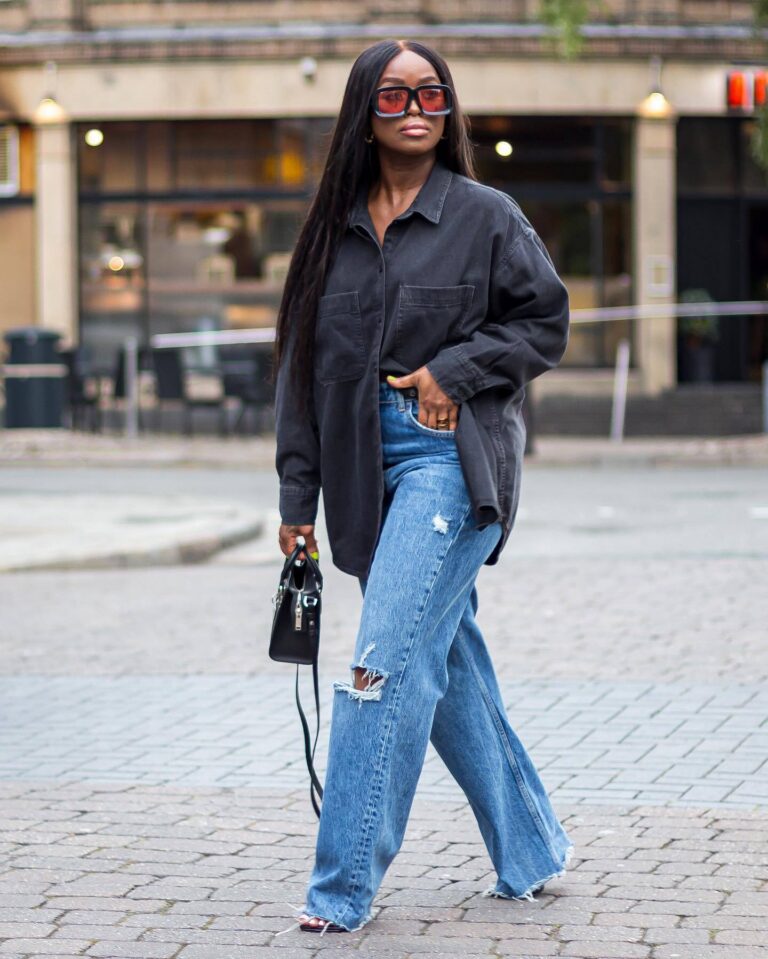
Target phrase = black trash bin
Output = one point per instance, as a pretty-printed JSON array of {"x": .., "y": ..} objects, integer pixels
[{"x": 34, "y": 378}]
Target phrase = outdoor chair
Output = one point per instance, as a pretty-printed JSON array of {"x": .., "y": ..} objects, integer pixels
[
  {"x": 171, "y": 387},
  {"x": 83, "y": 389},
  {"x": 244, "y": 379}
]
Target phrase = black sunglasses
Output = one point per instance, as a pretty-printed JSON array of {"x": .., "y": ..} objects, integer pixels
[{"x": 434, "y": 99}]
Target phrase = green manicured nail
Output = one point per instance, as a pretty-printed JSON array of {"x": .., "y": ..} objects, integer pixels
[{"x": 315, "y": 555}]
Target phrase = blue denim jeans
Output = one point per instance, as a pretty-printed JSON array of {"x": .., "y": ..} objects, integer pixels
[{"x": 428, "y": 677}]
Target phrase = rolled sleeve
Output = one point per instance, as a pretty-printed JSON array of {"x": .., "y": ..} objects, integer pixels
[{"x": 525, "y": 332}]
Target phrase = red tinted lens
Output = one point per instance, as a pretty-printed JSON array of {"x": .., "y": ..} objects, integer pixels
[
  {"x": 432, "y": 99},
  {"x": 391, "y": 101}
]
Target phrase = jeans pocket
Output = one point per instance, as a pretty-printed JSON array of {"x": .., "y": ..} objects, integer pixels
[{"x": 412, "y": 412}]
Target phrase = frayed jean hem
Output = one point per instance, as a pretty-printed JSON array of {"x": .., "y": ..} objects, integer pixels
[{"x": 495, "y": 893}]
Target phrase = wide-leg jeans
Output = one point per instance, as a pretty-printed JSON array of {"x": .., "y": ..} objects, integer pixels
[{"x": 428, "y": 675}]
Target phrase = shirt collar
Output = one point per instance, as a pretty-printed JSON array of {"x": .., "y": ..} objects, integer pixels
[{"x": 428, "y": 201}]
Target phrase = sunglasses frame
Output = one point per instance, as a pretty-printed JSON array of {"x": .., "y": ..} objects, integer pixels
[{"x": 413, "y": 94}]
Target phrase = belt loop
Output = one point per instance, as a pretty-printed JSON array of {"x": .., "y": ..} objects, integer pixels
[{"x": 400, "y": 400}]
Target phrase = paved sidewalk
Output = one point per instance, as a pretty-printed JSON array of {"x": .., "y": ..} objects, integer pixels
[
  {"x": 94, "y": 530},
  {"x": 153, "y": 799},
  {"x": 66, "y": 447},
  {"x": 596, "y": 742},
  {"x": 118, "y": 870}
]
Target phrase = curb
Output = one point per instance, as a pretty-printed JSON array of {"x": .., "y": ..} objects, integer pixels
[
  {"x": 747, "y": 451},
  {"x": 183, "y": 553}
]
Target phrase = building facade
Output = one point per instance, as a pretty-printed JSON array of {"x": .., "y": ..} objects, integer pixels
[{"x": 156, "y": 160}]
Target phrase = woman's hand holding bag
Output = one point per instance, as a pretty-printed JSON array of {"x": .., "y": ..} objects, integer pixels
[{"x": 295, "y": 637}]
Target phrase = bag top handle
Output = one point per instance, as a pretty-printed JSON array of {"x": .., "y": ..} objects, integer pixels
[{"x": 293, "y": 560}]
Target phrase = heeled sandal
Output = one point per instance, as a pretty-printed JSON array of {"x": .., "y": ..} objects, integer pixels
[{"x": 317, "y": 924}]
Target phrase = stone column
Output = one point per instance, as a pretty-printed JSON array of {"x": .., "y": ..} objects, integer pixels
[
  {"x": 654, "y": 177},
  {"x": 56, "y": 231}
]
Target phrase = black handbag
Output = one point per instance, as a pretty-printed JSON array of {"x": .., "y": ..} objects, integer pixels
[{"x": 295, "y": 638}]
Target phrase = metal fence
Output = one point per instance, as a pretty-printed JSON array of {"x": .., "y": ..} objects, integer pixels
[{"x": 638, "y": 313}]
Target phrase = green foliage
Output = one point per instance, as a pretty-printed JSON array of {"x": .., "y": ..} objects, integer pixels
[
  {"x": 566, "y": 17},
  {"x": 759, "y": 142},
  {"x": 703, "y": 327}
]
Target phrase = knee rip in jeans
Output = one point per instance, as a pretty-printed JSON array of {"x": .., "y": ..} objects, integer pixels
[
  {"x": 366, "y": 684},
  {"x": 439, "y": 523}
]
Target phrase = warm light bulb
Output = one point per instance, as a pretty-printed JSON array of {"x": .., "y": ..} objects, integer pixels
[
  {"x": 116, "y": 263},
  {"x": 655, "y": 105},
  {"x": 49, "y": 111},
  {"x": 94, "y": 137},
  {"x": 504, "y": 148}
]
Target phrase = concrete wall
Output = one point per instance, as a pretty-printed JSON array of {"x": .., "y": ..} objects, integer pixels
[{"x": 232, "y": 88}]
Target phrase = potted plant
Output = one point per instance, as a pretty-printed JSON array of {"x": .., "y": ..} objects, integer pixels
[{"x": 698, "y": 335}]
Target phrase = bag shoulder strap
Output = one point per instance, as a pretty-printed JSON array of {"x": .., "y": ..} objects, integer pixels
[
  {"x": 315, "y": 787},
  {"x": 309, "y": 752}
]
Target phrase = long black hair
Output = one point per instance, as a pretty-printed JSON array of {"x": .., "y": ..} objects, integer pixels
[{"x": 351, "y": 162}]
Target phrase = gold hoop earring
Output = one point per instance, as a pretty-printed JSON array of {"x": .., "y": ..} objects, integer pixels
[{"x": 369, "y": 139}]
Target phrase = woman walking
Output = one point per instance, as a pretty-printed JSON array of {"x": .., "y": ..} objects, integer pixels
[{"x": 417, "y": 306}]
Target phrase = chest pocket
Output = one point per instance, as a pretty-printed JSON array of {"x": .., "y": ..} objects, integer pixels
[
  {"x": 428, "y": 317},
  {"x": 339, "y": 349}
]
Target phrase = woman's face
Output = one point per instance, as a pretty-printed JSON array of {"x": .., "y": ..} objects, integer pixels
[{"x": 415, "y": 133}]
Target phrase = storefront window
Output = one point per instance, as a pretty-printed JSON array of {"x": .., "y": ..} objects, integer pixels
[
  {"x": 216, "y": 265},
  {"x": 112, "y": 277},
  {"x": 617, "y": 273},
  {"x": 110, "y": 158},
  {"x": 706, "y": 155},
  {"x": 189, "y": 226},
  {"x": 571, "y": 177},
  {"x": 722, "y": 254},
  {"x": 556, "y": 150},
  {"x": 753, "y": 177},
  {"x": 200, "y": 155}
]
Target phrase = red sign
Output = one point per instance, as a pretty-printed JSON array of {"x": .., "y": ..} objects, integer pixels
[{"x": 746, "y": 89}]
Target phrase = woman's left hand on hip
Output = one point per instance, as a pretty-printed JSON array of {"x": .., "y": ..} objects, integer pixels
[{"x": 436, "y": 409}]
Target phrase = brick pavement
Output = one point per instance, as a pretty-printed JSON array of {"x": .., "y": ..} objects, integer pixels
[
  {"x": 665, "y": 619},
  {"x": 592, "y": 741},
  {"x": 116, "y": 870}
]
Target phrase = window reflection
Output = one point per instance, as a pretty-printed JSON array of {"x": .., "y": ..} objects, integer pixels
[
  {"x": 218, "y": 266},
  {"x": 205, "y": 240},
  {"x": 706, "y": 155},
  {"x": 571, "y": 177},
  {"x": 190, "y": 225},
  {"x": 114, "y": 165},
  {"x": 112, "y": 276},
  {"x": 554, "y": 150},
  {"x": 203, "y": 155}
]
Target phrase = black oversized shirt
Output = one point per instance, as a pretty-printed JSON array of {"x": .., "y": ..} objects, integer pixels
[{"x": 462, "y": 284}]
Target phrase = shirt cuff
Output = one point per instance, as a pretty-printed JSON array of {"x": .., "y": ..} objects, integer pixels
[
  {"x": 298, "y": 505},
  {"x": 455, "y": 374}
]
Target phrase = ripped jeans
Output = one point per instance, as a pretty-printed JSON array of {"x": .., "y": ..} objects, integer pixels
[{"x": 428, "y": 676}]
